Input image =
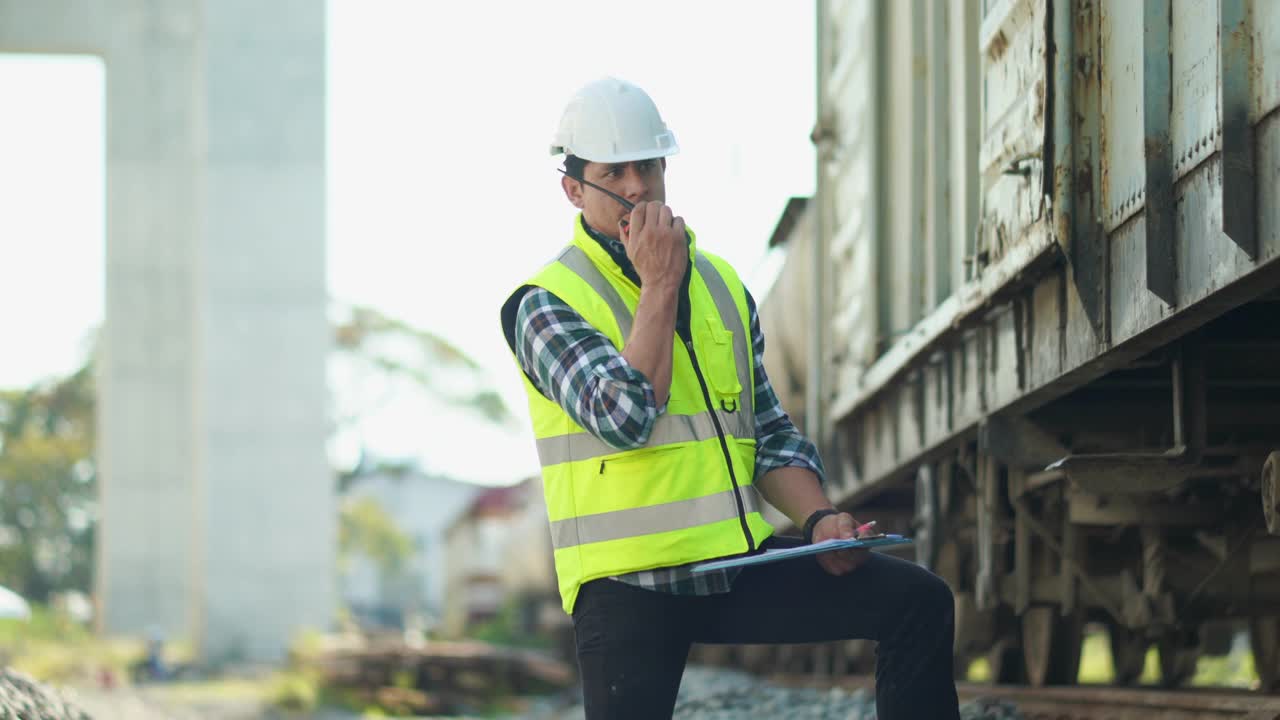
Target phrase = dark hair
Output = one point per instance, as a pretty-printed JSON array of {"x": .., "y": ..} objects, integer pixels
[{"x": 574, "y": 165}]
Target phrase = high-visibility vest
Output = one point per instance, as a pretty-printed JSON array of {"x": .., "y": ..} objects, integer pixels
[{"x": 688, "y": 494}]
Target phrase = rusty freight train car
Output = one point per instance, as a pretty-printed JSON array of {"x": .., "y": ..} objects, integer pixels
[{"x": 1041, "y": 278}]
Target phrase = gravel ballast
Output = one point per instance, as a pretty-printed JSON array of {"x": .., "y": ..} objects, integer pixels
[
  {"x": 705, "y": 694},
  {"x": 716, "y": 694},
  {"x": 22, "y": 698}
]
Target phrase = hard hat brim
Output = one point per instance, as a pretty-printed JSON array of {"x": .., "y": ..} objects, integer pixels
[{"x": 619, "y": 158}]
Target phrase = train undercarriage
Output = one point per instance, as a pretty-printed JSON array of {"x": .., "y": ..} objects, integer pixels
[{"x": 1144, "y": 501}]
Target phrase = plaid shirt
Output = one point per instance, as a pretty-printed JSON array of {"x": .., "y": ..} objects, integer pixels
[{"x": 580, "y": 369}]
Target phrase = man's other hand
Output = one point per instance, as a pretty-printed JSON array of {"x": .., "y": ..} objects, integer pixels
[
  {"x": 838, "y": 527},
  {"x": 656, "y": 244}
]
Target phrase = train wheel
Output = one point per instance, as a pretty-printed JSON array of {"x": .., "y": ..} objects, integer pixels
[
  {"x": 1006, "y": 663},
  {"x": 1128, "y": 653},
  {"x": 1051, "y": 645},
  {"x": 1264, "y": 638},
  {"x": 1178, "y": 653}
]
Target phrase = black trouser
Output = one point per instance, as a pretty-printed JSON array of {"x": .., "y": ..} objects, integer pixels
[{"x": 633, "y": 643}]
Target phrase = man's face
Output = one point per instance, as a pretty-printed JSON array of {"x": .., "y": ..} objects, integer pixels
[{"x": 637, "y": 181}]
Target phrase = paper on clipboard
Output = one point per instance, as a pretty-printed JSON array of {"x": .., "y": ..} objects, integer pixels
[{"x": 769, "y": 556}]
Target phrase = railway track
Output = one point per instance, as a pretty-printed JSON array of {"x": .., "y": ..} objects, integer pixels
[{"x": 1090, "y": 702}]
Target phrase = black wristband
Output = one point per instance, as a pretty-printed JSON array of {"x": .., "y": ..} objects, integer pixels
[{"x": 813, "y": 520}]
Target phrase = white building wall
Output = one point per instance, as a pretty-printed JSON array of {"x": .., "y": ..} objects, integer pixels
[
  {"x": 422, "y": 507},
  {"x": 528, "y": 565}
]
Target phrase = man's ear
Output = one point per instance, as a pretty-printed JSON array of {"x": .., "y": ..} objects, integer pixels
[{"x": 572, "y": 190}]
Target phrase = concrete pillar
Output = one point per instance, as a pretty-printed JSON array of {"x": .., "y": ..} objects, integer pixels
[
  {"x": 268, "y": 491},
  {"x": 218, "y": 519}
]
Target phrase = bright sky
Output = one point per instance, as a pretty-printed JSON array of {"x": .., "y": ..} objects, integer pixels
[{"x": 442, "y": 195}]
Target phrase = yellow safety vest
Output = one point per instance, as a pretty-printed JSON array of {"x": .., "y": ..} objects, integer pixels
[{"x": 688, "y": 494}]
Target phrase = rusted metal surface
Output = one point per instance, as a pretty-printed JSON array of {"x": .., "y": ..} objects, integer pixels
[
  {"x": 1194, "y": 120},
  {"x": 986, "y": 489},
  {"x": 1099, "y": 254},
  {"x": 1058, "y": 348},
  {"x": 1020, "y": 443},
  {"x": 1157, "y": 103},
  {"x": 1010, "y": 162},
  {"x": 1060, "y": 126},
  {"x": 1124, "y": 473},
  {"x": 1023, "y": 332},
  {"x": 1087, "y": 702},
  {"x": 1021, "y": 545},
  {"x": 1095, "y": 509},
  {"x": 939, "y": 250},
  {"x": 852, "y": 88},
  {"x": 1238, "y": 188},
  {"x": 1121, "y": 110},
  {"x": 1088, "y": 240},
  {"x": 1265, "y": 22}
]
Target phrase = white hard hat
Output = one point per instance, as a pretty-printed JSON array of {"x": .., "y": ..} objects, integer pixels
[{"x": 611, "y": 121}]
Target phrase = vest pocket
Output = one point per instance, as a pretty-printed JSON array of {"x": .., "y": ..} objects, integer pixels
[
  {"x": 719, "y": 365},
  {"x": 639, "y": 477},
  {"x": 625, "y": 462}
]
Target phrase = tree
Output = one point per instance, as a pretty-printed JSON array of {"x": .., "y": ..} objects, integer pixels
[
  {"x": 364, "y": 527},
  {"x": 48, "y": 474},
  {"x": 48, "y": 485},
  {"x": 378, "y": 360},
  {"x": 376, "y": 343}
]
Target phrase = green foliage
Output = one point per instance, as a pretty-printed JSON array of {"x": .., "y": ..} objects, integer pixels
[
  {"x": 1233, "y": 670},
  {"x": 391, "y": 349},
  {"x": 979, "y": 671},
  {"x": 48, "y": 475},
  {"x": 47, "y": 486},
  {"x": 295, "y": 690},
  {"x": 1095, "y": 660},
  {"x": 364, "y": 527},
  {"x": 504, "y": 629},
  {"x": 215, "y": 690},
  {"x": 52, "y": 647},
  {"x": 45, "y": 625}
]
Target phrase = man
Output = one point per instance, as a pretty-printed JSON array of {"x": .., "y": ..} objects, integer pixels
[{"x": 658, "y": 433}]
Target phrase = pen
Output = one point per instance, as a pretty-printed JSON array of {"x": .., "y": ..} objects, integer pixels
[{"x": 863, "y": 528}]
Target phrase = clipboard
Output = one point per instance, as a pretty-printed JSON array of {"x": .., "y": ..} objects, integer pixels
[{"x": 769, "y": 556}]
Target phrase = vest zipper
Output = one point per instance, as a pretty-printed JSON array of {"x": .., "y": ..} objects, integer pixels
[{"x": 724, "y": 446}]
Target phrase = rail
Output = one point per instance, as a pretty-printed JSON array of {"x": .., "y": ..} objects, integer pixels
[{"x": 1086, "y": 702}]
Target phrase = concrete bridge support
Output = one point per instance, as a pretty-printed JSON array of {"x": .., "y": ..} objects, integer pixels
[{"x": 217, "y": 504}]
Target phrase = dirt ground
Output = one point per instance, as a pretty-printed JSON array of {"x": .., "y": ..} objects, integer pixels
[{"x": 139, "y": 704}]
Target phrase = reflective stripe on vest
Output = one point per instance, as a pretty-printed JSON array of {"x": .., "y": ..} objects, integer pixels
[
  {"x": 581, "y": 265},
  {"x": 667, "y": 429},
  {"x": 627, "y": 523}
]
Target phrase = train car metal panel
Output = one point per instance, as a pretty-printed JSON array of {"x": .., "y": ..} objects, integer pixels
[{"x": 1054, "y": 252}]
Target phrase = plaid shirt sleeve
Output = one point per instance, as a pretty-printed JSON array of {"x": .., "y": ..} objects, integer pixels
[
  {"x": 778, "y": 442},
  {"x": 580, "y": 369}
]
